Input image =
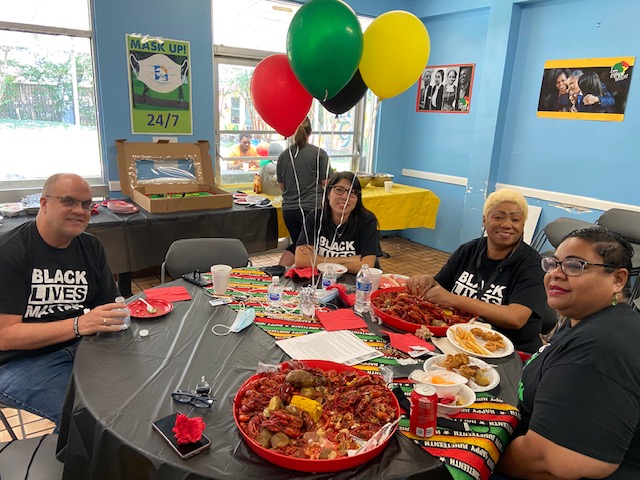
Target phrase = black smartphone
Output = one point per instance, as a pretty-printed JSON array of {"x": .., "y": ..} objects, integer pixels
[{"x": 164, "y": 427}]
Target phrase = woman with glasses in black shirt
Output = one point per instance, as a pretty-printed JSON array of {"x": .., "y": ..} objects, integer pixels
[
  {"x": 343, "y": 231},
  {"x": 580, "y": 395}
]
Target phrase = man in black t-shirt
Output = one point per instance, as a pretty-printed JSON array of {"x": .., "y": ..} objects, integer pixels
[
  {"x": 497, "y": 278},
  {"x": 55, "y": 287}
]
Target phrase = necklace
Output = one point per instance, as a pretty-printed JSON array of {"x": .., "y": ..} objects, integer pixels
[{"x": 337, "y": 233}]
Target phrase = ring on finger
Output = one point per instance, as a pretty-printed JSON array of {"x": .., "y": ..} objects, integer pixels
[{"x": 104, "y": 321}]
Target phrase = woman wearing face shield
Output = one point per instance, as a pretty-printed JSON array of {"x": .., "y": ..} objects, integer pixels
[{"x": 343, "y": 231}]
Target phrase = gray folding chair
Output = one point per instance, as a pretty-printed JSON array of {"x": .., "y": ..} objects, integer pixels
[
  {"x": 32, "y": 458},
  {"x": 555, "y": 231},
  {"x": 627, "y": 224},
  {"x": 190, "y": 254}
]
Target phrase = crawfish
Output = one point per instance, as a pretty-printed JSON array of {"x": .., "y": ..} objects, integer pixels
[{"x": 281, "y": 421}]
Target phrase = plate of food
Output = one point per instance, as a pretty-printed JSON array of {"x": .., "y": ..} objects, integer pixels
[
  {"x": 139, "y": 309},
  {"x": 481, "y": 377},
  {"x": 240, "y": 195},
  {"x": 390, "y": 280},
  {"x": 480, "y": 341},
  {"x": 339, "y": 269},
  {"x": 397, "y": 307},
  {"x": 241, "y": 201},
  {"x": 280, "y": 421}
]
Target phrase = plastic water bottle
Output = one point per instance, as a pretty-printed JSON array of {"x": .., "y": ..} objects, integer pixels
[
  {"x": 127, "y": 319},
  {"x": 363, "y": 291},
  {"x": 329, "y": 277},
  {"x": 274, "y": 293}
]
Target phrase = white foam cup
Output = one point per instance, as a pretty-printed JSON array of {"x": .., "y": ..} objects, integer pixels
[
  {"x": 388, "y": 186},
  {"x": 220, "y": 274},
  {"x": 376, "y": 275}
]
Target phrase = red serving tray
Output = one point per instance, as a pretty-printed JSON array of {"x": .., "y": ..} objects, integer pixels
[
  {"x": 303, "y": 464},
  {"x": 399, "y": 323}
]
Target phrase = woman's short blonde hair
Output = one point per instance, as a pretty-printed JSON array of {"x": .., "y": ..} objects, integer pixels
[{"x": 505, "y": 195}]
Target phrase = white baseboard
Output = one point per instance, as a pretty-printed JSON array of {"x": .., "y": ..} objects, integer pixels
[
  {"x": 436, "y": 177},
  {"x": 566, "y": 198},
  {"x": 547, "y": 195}
]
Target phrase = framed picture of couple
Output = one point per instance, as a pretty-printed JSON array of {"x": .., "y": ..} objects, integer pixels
[
  {"x": 586, "y": 89},
  {"x": 445, "y": 88}
]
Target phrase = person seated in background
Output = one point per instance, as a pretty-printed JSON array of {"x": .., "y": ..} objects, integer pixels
[
  {"x": 55, "y": 287},
  {"x": 244, "y": 149},
  {"x": 496, "y": 277},
  {"x": 580, "y": 395},
  {"x": 347, "y": 232}
]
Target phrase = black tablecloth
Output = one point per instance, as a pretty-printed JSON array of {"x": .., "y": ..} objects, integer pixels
[
  {"x": 140, "y": 240},
  {"x": 122, "y": 383}
]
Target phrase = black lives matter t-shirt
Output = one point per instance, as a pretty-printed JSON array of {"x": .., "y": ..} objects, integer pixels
[
  {"x": 45, "y": 284},
  {"x": 518, "y": 280}
]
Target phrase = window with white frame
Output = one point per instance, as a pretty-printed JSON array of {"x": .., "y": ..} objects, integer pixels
[
  {"x": 48, "y": 121},
  {"x": 245, "y": 32}
]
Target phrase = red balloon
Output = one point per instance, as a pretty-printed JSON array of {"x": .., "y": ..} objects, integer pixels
[
  {"x": 279, "y": 98},
  {"x": 263, "y": 149}
]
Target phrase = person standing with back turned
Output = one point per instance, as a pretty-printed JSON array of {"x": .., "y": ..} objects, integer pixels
[{"x": 302, "y": 171}]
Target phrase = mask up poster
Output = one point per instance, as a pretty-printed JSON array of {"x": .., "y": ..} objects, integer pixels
[{"x": 159, "y": 85}]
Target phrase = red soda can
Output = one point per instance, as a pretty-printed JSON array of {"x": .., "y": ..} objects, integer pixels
[{"x": 424, "y": 407}]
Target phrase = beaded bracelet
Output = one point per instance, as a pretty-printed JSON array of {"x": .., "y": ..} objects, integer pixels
[{"x": 75, "y": 327}]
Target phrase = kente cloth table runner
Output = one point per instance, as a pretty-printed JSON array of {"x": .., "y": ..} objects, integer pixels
[{"x": 468, "y": 455}]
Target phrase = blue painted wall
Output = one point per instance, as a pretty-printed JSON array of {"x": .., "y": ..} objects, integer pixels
[
  {"x": 187, "y": 20},
  {"x": 500, "y": 141}
]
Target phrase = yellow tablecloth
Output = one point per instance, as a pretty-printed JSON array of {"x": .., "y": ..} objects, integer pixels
[{"x": 403, "y": 207}]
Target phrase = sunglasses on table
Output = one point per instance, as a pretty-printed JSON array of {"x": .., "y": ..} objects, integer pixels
[
  {"x": 198, "y": 401},
  {"x": 572, "y": 267},
  {"x": 70, "y": 202}
]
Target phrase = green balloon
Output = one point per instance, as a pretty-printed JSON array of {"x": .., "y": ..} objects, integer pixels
[{"x": 324, "y": 46}]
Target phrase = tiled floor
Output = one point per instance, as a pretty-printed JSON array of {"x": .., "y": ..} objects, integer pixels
[{"x": 405, "y": 257}]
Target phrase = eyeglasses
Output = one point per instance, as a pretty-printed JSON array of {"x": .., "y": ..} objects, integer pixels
[
  {"x": 70, "y": 202},
  {"x": 198, "y": 401},
  {"x": 341, "y": 191},
  {"x": 571, "y": 268}
]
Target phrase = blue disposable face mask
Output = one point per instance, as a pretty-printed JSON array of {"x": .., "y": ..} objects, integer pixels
[{"x": 244, "y": 318}]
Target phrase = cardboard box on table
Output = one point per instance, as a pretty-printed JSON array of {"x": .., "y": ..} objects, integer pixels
[{"x": 137, "y": 189}]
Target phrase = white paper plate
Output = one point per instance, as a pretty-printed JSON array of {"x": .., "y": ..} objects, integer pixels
[
  {"x": 240, "y": 195},
  {"x": 339, "y": 269},
  {"x": 255, "y": 198},
  {"x": 239, "y": 201},
  {"x": 503, "y": 352},
  {"x": 433, "y": 363}
]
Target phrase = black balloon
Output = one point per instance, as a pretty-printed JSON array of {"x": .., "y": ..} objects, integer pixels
[{"x": 346, "y": 98}]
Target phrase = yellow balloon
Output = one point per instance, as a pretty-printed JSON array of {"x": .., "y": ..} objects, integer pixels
[{"x": 395, "y": 52}]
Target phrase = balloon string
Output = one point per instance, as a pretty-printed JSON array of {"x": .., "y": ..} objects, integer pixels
[{"x": 374, "y": 117}]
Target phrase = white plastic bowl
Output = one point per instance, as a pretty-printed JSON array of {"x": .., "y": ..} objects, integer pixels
[
  {"x": 467, "y": 397},
  {"x": 443, "y": 390}
]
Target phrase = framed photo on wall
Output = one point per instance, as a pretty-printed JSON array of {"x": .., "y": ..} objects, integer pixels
[
  {"x": 445, "y": 88},
  {"x": 586, "y": 89}
]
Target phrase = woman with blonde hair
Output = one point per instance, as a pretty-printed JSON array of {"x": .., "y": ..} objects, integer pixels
[
  {"x": 302, "y": 172},
  {"x": 496, "y": 277}
]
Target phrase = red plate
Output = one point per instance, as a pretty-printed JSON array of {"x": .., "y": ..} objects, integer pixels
[
  {"x": 308, "y": 465},
  {"x": 139, "y": 310},
  {"x": 399, "y": 323}
]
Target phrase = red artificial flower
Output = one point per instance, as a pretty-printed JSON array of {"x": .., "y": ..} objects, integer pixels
[{"x": 188, "y": 430}]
